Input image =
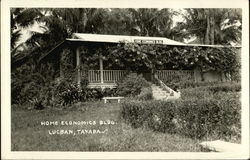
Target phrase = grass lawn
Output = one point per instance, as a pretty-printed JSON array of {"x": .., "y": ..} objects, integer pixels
[{"x": 29, "y": 135}]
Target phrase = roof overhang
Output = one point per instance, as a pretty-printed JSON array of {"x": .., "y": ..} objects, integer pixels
[{"x": 101, "y": 38}]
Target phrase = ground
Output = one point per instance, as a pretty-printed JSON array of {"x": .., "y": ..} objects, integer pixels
[{"x": 29, "y": 135}]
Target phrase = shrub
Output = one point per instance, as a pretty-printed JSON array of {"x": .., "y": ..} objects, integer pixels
[
  {"x": 191, "y": 117},
  {"x": 157, "y": 115},
  {"x": 211, "y": 91},
  {"x": 195, "y": 118},
  {"x": 213, "y": 86},
  {"x": 146, "y": 94},
  {"x": 26, "y": 87},
  {"x": 109, "y": 92},
  {"x": 161, "y": 117},
  {"x": 196, "y": 93},
  {"x": 225, "y": 87},
  {"x": 66, "y": 93},
  {"x": 132, "y": 85},
  {"x": 192, "y": 84},
  {"x": 92, "y": 93},
  {"x": 198, "y": 118},
  {"x": 132, "y": 112},
  {"x": 37, "y": 103}
]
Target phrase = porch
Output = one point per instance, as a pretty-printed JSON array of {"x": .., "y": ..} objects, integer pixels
[
  {"x": 101, "y": 75},
  {"x": 109, "y": 78},
  {"x": 104, "y": 78}
]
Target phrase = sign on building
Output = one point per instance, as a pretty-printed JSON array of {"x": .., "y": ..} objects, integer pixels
[{"x": 148, "y": 41}]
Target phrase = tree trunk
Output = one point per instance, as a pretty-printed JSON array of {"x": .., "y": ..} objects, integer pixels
[
  {"x": 85, "y": 20},
  {"x": 202, "y": 76},
  {"x": 207, "y": 41},
  {"x": 212, "y": 28}
]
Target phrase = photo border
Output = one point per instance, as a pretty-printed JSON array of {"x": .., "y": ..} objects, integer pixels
[{"x": 5, "y": 77}]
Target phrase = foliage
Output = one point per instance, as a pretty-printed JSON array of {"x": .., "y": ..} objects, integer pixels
[
  {"x": 59, "y": 23},
  {"x": 109, "y": 92},
  {"x": 146, "y": 94},
  {"x": 202, "y": 112},
  {"x": 225, "y": 87},
  {"x": 26, "y": 84},
  {"x": 213, "y": 90},
  {"x": 212, "y": 86},
  {"x": 199, "y": 118},
  {"x": 66, "y": 93},
  {"x": 157, "y": 115},
  {"x": 138, "y": 57},
  {"x": 211, "y": 26},
  {"x": 67, "y": 67},
  {"x": 151, "y": 22},
  {"x": 37, "y": 103},
  {"x": 131, "y": 85},
  {"x": 22, "y": 18}
]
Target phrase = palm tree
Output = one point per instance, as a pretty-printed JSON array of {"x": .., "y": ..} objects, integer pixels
[
  {"x": 207, "y": 25},
  {"x": 22, "y": 18},
  {"x": 152, "y": 22},
  {"x": 58, "y": 24}
]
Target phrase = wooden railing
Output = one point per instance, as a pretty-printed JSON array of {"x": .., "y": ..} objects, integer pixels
[
  {"x": 175, "y": 75},
  {"x": 94, "y": 76},
  {"x": 112, "y": 76},
  {"x": 109, "y": 76}
]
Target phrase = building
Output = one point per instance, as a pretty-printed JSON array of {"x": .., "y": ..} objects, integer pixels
[{"x": 101, "y": 77}]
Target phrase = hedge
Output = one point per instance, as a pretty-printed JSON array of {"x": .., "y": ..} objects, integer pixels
[
  {"x": 152, "y": 114},
  {"x": 195, "y": 118},
  {"x": 220, "y": 86}
]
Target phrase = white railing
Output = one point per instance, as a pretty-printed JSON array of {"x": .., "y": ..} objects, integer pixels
[
  {"x": 175, "y": 75},
  {"x": 112, "y": 76},
  {"x": 94, "y": 76}
]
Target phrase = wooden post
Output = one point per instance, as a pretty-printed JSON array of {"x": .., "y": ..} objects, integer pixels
[
  {"x": 78, "y": 64},
  {"x": 101, "y": 67}
]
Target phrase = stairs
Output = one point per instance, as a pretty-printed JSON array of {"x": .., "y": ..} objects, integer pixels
[{"x": 160, "y": 94}]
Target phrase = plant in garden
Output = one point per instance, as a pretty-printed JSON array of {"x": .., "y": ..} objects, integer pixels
[
  {"x": 37, "y": 103},
  {"x": 131, "y": 85},
  {"x": 26, "y": 84},
  {"x": 199, "y": 115},
  {"x": 157, "y": 115},
  {"x": 146, "y": 94}
]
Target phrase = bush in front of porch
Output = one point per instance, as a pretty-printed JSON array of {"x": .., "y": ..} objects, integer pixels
[{"x": 132, "y": 85}]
